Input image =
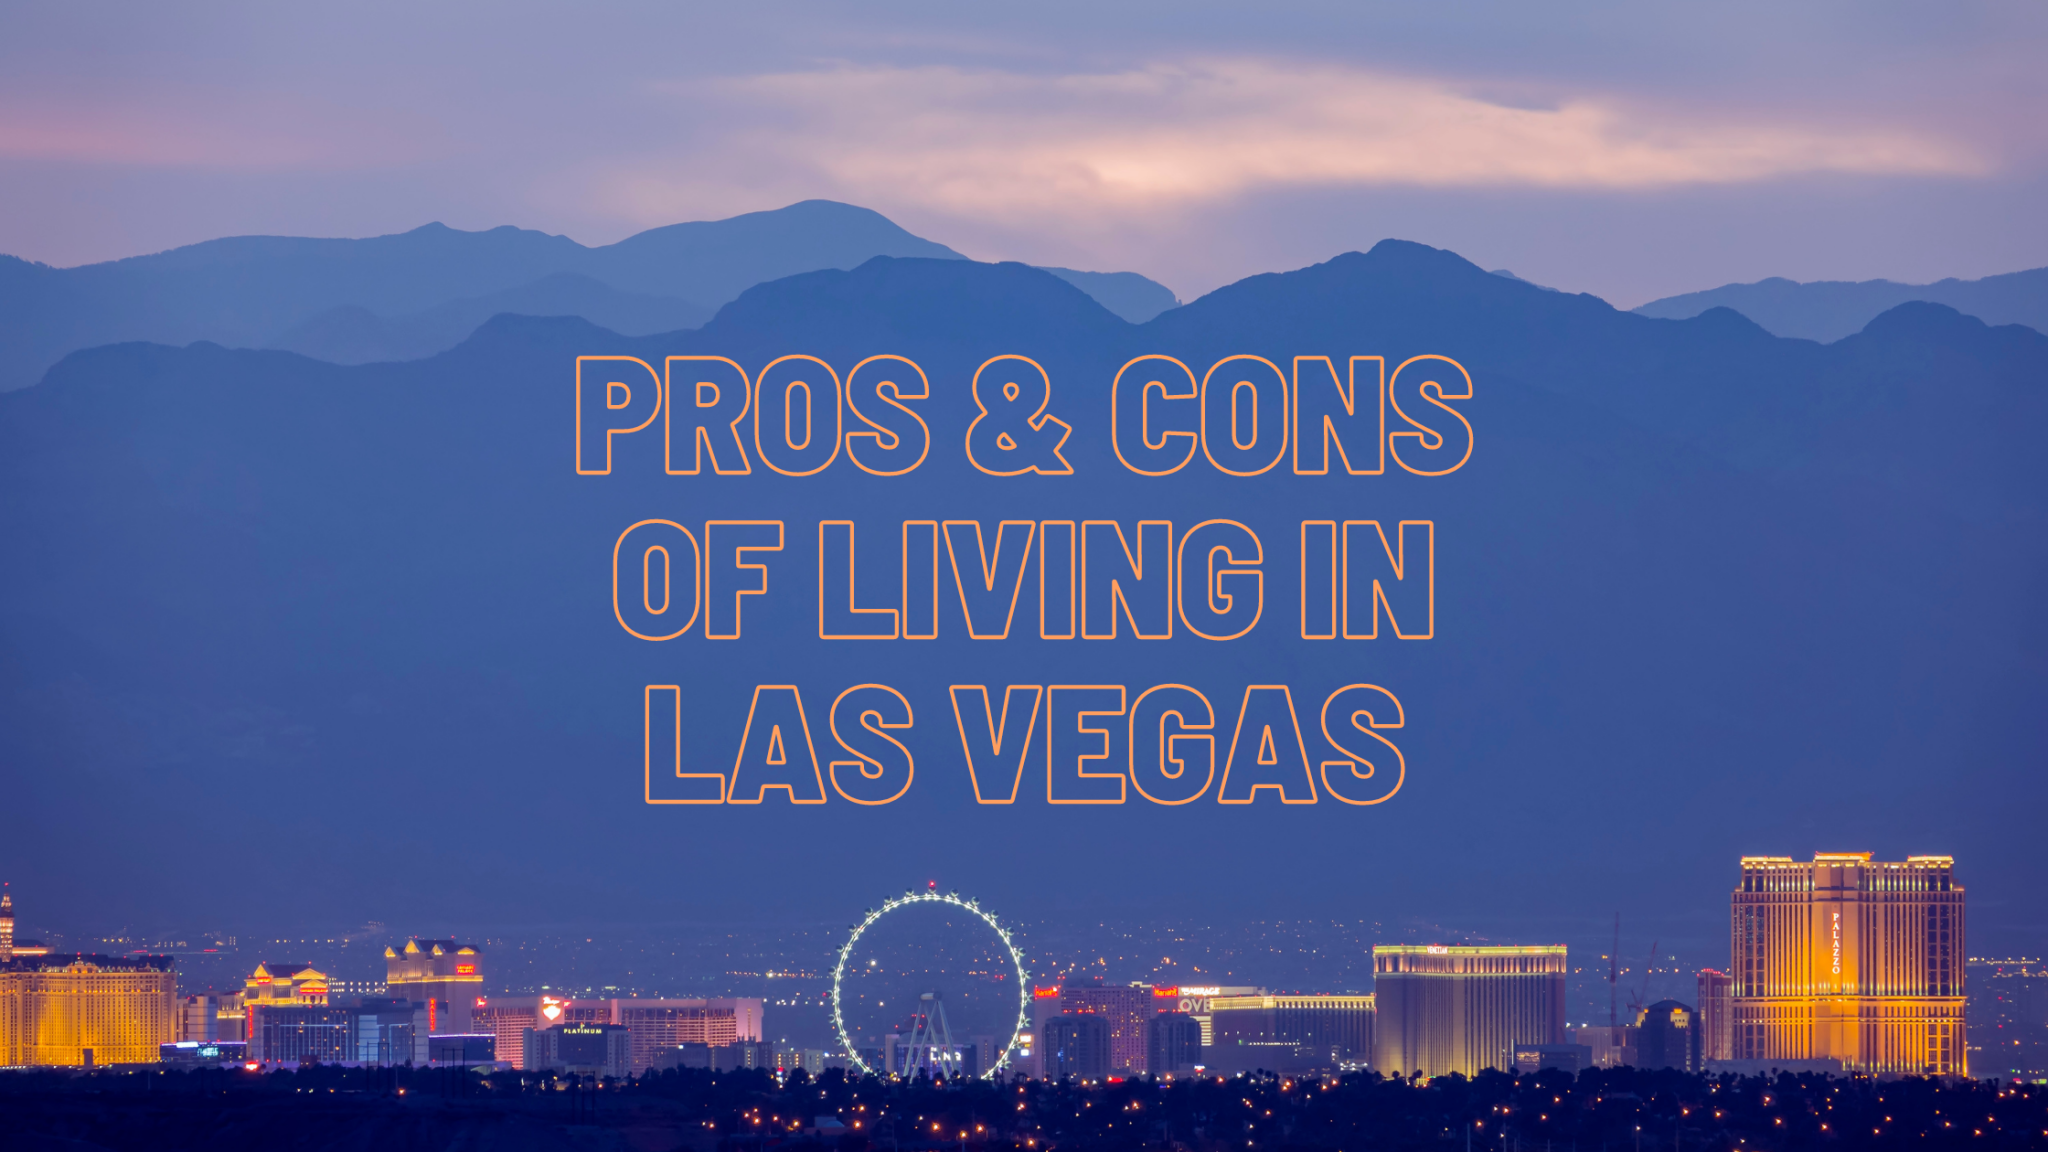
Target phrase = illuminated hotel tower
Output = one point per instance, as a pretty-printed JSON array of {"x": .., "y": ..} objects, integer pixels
[
  {"x": 81, "y": 1009},
  {"x": 1445, "y": 1009},
  {"x": 442, "y": 974},
  {"x": 1846, "y": 959}
]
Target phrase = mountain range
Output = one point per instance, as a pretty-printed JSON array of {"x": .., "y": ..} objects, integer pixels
[
  {"x": 420, "y": 292},
  {"x": 1700, "y": 591},
  {"x": 1828, "y": 310}
]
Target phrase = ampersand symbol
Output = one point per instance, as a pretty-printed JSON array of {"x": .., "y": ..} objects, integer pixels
[{"x": 1011, "y": 433}]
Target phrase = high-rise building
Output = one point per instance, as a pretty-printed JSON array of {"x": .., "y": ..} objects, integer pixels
[
  {"x": 1173, "y": 1044},
  {"x": 2007, "y": 1013},
  {"x": 1849, "y": 961},
  {"x": 1076, "y": 1045},
  {"x": 664, "y": 1023},
  {"x": 85, "y": 1009},
  {"x": 1668, "y": 1036},
  {"x": 444, "y": 975},
  {"x": 1461, "y": 1008},
  {"x": 206, "y": 1017},
  {"x": 655, "y": 1025},
  {"x": 1717, "y": 1015},
  {"x": 1124, "y": 1008},
  {"x": 579, "y": 1049},
  {"x": 1290, "y": 1033},
  {"x": 1045, "y": 1004}
]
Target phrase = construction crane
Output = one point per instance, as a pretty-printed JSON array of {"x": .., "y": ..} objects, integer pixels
[
  {"x": 1614, "y": 983},
  {"x": 1640, "y": 1000}
]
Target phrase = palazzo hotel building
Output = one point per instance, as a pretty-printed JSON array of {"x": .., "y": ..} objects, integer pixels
[{"x": 1849, "y": 960}]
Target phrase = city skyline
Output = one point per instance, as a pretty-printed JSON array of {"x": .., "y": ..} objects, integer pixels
[{"x": 452, "y": 983}]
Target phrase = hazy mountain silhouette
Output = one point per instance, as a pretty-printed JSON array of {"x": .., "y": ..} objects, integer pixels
[
  {"x": 1828, "y": 310},
  {"x": 355, "y": 335},
  {"x": 1129, "y": 295},
  {"x": 420, "y": 292},
  {"x": 1512, "y": 276},
  {"x": 1700, "y": 591}
]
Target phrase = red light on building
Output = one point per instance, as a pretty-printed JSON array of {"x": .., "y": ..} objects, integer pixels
[
  {"x": 1045, "y": 993},
  {"x": 465, "y": 969},
  {"x": 1166, "y": 993}
]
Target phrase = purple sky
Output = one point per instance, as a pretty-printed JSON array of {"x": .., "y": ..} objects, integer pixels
[{"x": 1632, "y": 150}]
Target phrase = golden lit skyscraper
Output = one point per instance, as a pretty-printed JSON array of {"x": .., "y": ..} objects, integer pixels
[
  {"x": 1846, "y": 959},
  {"x": 1451, "y": 1008},
  {"x": 70, "y": 1010},
  {"x": 442, "y": 974}
]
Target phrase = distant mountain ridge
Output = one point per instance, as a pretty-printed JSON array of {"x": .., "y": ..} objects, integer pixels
[
  {"x": 1686, "y": 566},
  {"x": 1828, "y": 310},
  {"x": 416, "y": 293},
  {"x": 355, "y": 335}
]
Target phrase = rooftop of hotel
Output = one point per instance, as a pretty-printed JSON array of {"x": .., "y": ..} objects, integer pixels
[
  {"x": 58, "y": 962},
  {"x": 1467, "y": 949},
  {"x": 1844, "y": 858}
]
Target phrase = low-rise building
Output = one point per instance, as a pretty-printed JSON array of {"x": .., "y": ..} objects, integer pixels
[
  {"x": 1281, "y": 1033},
  {"x": 1612, "y": 1045},
  {"x": 380, "y": 1032},
  {"x": 1573, "y": 1058},
  {"x": 654, "y": 1025},
  {"x": 580, "y": 1050},
  {"x": 203, "y": 1053}
]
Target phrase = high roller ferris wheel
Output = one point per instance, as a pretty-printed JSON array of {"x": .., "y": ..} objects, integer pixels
[{"x": 931, "y": 1048}]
